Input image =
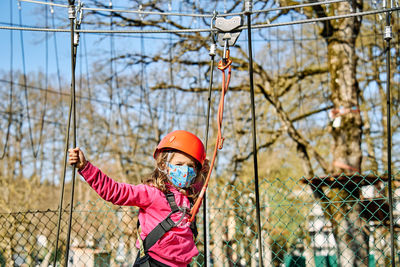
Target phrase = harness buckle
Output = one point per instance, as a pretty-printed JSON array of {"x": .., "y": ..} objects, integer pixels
[{"x": 167, "y": 224}]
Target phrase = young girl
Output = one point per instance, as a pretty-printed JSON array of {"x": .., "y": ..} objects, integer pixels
[{"x": 166, "y": 235}]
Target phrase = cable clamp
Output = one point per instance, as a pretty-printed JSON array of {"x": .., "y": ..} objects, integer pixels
[
  {"x": 71, "y": 12},
  {"x": 213, "y": 49},
  {"x": 248, "y": 6},
  {"x": 388, "y": 35},
  {"x": 140, "y": 10}
]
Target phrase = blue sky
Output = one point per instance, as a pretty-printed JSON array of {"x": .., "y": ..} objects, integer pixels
[
  {"x": 37, "y": 51},
  {"x": 34, "y": 43}
]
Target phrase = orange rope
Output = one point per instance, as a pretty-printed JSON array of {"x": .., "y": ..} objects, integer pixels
[{"x": 222, "y": 65}]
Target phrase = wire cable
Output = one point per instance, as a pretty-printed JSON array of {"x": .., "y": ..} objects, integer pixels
[
  {"x": 101, "y": 101},
  {"x": 350, "y": 15},
  {"x": 142, "y": 74},
  {"x": 257, "y": 26},
  {"x": 71, "y": 113},
  {"x": 73, "y": 63},
  {"x": 71, "y": 107},
  {"x": 143, "y": 12},
  {"x": 297, "y": 6},
  {"x": 45, "y": 95},
  {"x": 34, "y": 152},
  {"x": 205, "y": 210},
  {"x": 253, "y": 119},
  {"x": 140, "y": 12},
  {"x": 44, "y": 3},
  {"x": 11, "y": 86},
  {"x": 388, "y": 38},
  {"x": 67, "y": 133},
  {"x": 60, "y": 205},
  {"x": 60, "y": 124},
  {"x": 119, "y": 100},
  {"x": 57, "y": 58},
  {"x": 178, "y": 39},
  {"x": 110, "y": 87}
]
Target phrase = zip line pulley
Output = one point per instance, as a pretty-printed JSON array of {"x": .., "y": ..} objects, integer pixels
[{"x": 228, "y": 32}]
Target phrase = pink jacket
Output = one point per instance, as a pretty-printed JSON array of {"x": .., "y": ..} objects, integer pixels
[{"x": 176, "y": 248}]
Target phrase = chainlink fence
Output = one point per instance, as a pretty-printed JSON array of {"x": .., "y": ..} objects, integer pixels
[{"x": 324, "y": 221}]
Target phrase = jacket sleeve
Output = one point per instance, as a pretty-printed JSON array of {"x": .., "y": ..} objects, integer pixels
[{"x": 117, "y": 193}]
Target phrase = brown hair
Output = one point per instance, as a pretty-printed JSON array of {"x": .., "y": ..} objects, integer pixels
[{"x": 158, "y": 178}]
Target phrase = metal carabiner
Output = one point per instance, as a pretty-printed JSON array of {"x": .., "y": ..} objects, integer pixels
[
  {"x": 214, "y": 17},
  {"x": 225, "y": 62}
]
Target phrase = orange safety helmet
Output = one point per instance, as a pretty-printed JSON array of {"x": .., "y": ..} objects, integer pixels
[{"x": 183, "y": 141}]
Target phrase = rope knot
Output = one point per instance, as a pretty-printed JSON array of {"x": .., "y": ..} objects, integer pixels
[
  {"x": 221, "y": 143},
  {"x": 225, "y": 62},
  {"x": 224, "y": 65}
]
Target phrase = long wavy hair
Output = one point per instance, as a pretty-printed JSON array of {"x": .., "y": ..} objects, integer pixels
[{"x": 159, "y": 179}]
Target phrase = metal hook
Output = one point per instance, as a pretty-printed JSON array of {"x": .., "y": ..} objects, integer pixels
[
  {"x": 79, "y": 14},
  {"x": 215, "y": 14},
  {"x": 212, "y": 24}
]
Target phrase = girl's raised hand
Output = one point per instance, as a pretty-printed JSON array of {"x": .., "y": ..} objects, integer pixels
[{"x": 77, "y": 158}]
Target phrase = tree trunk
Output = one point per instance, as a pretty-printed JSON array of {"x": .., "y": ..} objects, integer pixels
[{"x": 346, "y": 133}]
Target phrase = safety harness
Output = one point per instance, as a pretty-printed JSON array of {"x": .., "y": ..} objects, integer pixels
[{"x": 159, "y": 231}]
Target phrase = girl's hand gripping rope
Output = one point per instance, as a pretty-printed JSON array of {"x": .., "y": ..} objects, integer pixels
[{"x": 222, "y": 65}]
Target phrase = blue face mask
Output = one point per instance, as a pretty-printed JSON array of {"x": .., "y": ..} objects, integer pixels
[{"x": 181, "y": 176}]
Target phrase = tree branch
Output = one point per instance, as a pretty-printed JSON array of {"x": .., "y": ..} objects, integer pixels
[{"x": 302, "y": 143}]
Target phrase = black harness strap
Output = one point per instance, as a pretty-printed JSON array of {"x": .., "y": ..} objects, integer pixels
[
  {"x": 171, "y": 201},
  {"x": 163, "y": 226}
]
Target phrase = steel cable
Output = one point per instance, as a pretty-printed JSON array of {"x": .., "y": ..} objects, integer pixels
[
  {"x": 71, "y": 113},
  {"x": 257, "y": 26},
  {"x": 11, "y": 87},
  {"x": 142, "y": 12},
  {"x": 388, "y": 38},
  {"x": 254, "y": 135},
  {"x": 206, "y": 229},
  {"x": 73, "y": 63},
  {"x": 34, "y": 152},
  {"x": 57, "y": 60}
]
